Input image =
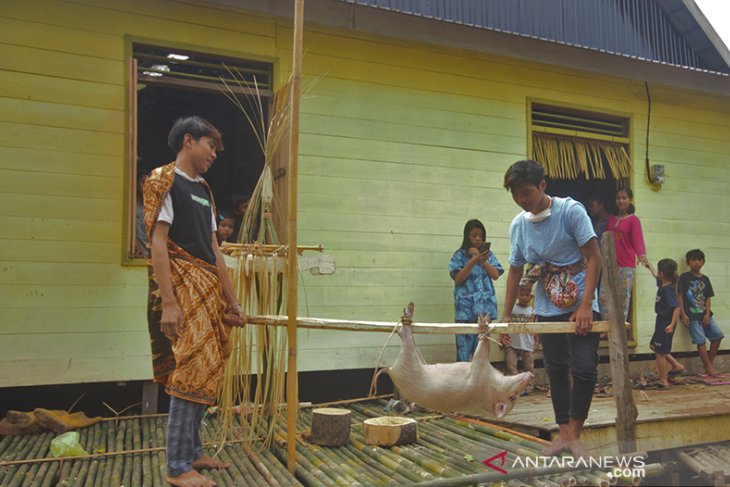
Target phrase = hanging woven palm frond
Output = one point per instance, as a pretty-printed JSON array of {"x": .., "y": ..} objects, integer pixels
[
  {"x": 594, "y": 152},
  {"x": 259, "y": 352},
  {"x": 571, "y": 157}
]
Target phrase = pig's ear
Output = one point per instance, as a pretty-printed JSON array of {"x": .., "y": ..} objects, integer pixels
[
  {"x": 500, "y": 409},
  {"x": 520, "y": 382}
]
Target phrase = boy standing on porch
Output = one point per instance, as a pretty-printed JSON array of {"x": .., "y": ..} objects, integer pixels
[
  {"x": 556, "y": 235},
  {"x": 695, "y": 293},
  {"x": 189, "y": 291}
]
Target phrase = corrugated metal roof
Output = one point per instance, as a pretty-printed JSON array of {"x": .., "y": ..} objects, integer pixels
[{"x": 660, "y": 31}]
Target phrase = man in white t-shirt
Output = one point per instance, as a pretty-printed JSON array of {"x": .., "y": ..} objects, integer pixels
[
  {"x": 556, "y": 235},
  {"x": 191, "y": 303}
]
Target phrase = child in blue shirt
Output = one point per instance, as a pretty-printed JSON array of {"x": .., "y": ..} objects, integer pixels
[
  {"x": 695, "y": 293},
  {"x": 667, "y": 314},
  {"x": 473, "y": 272}
]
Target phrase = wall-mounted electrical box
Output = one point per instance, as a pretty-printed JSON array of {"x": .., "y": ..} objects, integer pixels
[{"x": 656, "y": 173}]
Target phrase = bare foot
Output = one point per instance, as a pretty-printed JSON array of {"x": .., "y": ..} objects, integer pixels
[
  {"x": 578, "y": 450},
  {"x": 205, "y": 462},
  {"x": 191, "y": 478},
  {"x": 556, "y": 448}
]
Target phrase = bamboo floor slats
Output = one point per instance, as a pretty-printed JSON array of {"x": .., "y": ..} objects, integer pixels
[
  {"x": 710, "y": 462},
  {"x": 130, "y": 453},
  {"x": 145, "y": 468},
  {"x": 448, "y": 449}
]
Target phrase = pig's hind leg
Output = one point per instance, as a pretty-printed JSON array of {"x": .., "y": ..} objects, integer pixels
[{"x": 481, "y": 354}]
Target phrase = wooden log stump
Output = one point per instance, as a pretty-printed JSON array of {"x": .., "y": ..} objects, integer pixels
[
  {"x": 330, "y": 426},
  {"x": 390, "y": 430}
]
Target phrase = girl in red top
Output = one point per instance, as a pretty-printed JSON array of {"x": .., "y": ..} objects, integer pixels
[{"x": 629, "y": 242}]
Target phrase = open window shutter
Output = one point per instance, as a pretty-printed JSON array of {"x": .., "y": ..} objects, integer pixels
[{"x": 132, "y": 158}]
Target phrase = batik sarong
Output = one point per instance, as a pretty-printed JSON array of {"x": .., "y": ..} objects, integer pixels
[{"x": 191, "y": 365}]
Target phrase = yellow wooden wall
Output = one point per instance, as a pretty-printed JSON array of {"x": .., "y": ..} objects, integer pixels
[
  {"x": 401, "y": 143},
  {"x": 690, "y": 135},
  {"x": 70, "y": 311}
]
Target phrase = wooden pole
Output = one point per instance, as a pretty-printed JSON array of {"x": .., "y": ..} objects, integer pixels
[
  {"x": 626, "y": 412},
  {"x": 425, "y": 328},
  {"x": 292, "y": 393}
]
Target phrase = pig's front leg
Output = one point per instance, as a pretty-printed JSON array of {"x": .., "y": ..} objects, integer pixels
[{"x": 408, "y": 351}]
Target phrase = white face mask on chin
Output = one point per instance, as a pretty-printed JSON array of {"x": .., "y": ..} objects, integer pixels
[{"x": 534, "y": 218}]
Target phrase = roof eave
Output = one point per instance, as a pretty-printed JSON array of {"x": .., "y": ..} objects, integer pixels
[
  {"x": 338, "y": 14},
  {"x": 707, "y": 28}
]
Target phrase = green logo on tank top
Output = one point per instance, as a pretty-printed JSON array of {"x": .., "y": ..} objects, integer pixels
[{"x": 200, "y": 200}]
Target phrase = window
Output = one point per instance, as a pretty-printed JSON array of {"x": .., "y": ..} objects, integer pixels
[{"x": 166, "y": 84}]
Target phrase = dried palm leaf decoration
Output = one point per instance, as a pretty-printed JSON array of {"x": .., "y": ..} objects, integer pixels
[
  {"x": 256, "y": 266},
  {"x": 571, "y": 158}
]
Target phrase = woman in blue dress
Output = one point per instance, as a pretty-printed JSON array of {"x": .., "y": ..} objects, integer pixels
[{"x": 473, "y": 269}]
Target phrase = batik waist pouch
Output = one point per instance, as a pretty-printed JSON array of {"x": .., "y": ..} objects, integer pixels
[{"x": 558, "y": 281}]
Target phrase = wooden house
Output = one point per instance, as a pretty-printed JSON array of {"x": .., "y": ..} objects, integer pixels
[{"x": 412, "y": 113}]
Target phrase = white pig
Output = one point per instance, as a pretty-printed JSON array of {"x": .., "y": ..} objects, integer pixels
[{"x": 474, "y": 388}]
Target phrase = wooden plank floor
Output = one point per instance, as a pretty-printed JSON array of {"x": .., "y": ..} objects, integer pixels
[{"x": 682, "y": 415}]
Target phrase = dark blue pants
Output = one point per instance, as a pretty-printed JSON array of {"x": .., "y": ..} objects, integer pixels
[{"x": 567, "y": 354}]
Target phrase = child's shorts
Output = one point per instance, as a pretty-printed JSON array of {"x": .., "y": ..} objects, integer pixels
[
  {"x": 661, "y": 341},
  {"x": 700, "y": 333}
]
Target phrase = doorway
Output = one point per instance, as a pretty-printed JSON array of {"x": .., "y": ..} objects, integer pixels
[{"x": 585, "y": 156}]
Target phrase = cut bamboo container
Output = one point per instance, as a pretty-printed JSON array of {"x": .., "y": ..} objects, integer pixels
[{"x": 390, "y": 430}]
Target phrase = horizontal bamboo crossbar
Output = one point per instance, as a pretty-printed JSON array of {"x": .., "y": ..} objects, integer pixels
[
  {"x": 427, "y": 328},
  {"x": 266, "y": 249}
]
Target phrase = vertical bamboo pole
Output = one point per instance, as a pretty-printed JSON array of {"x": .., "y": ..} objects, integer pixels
[
  {"x": 292, "y": 393},
  {"x": 626, "y": 412}
]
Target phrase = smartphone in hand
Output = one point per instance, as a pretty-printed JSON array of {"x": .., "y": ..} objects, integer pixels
[{"x": 485, "y": 247}]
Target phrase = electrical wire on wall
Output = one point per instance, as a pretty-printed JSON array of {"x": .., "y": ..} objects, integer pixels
[{"x": 648, "y": 124}]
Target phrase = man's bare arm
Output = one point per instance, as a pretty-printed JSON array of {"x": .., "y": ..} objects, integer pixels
[
  {"x": 229, "y": 293},
  {"x": 583, "y": 315}
]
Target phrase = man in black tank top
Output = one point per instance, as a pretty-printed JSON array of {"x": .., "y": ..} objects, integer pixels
[{"x": 192, "y": 301}]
